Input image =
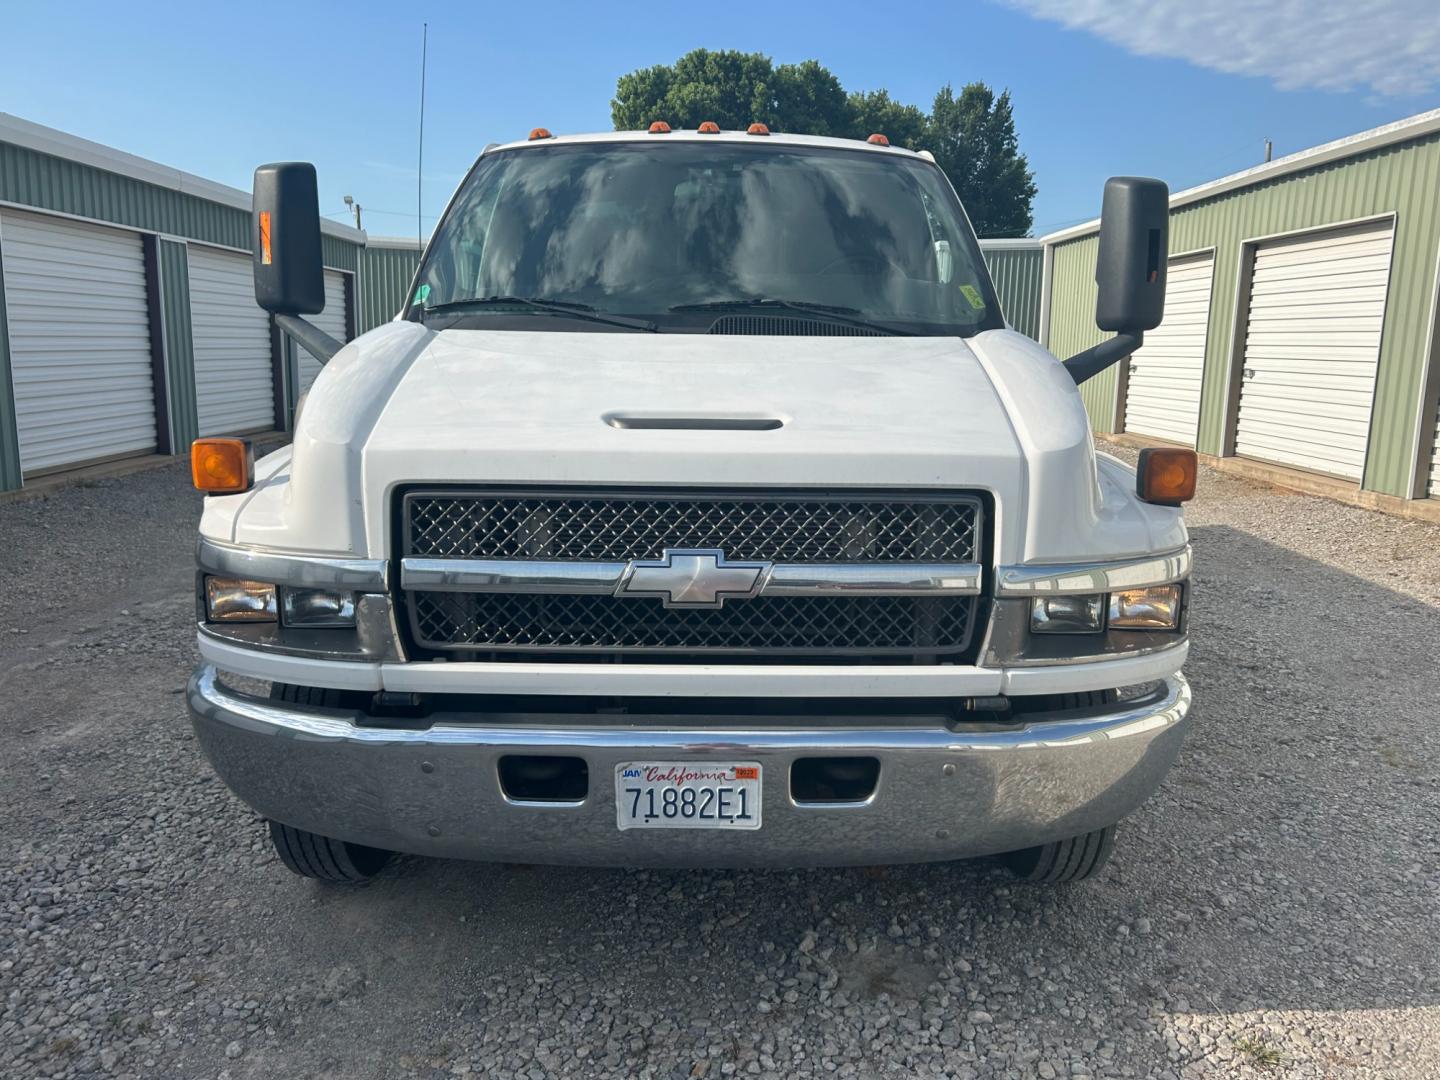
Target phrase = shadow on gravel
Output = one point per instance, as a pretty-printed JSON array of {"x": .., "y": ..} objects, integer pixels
[{"x": 1288, "y": 863}]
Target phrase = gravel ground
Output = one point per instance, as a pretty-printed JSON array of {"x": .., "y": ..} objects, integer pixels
[{"x": 1274, "y": 910}]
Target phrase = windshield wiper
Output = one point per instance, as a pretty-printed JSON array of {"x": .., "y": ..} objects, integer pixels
[
  {"x": 564, "y": 308},
  {"x": 848, "y": 315}
]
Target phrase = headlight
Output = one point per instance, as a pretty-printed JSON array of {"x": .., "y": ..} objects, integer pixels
[
  {"x": 318, "y": 607},
  {"x": 236, "y": 600},
  {"x": 1068, "y": 614},
  {"x": 1154, "y": 608}
]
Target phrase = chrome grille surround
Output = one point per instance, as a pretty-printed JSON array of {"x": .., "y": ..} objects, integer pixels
[{"x": 845, "y": 575}]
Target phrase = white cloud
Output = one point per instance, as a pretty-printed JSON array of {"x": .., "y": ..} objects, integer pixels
[{"x": 1390, "y": 46}]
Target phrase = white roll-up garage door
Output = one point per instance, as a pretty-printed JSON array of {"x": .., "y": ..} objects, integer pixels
[
  {"x": 234, "y": 388},
  {"x": 1163, "y": 391},
  {"x": 331, "y": 320},
  {"x": 1434, "y": 487},
  {"x": 1312, "y": 345},
  {"x": 79, "y": 341}
]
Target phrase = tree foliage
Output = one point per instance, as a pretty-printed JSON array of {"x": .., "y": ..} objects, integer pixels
[{"x": 971, "y": 134}]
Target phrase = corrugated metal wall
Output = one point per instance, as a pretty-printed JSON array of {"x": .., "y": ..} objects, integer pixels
[
  {"x": 385, "y": 275},
  {"x": 1017, "y": 273},
  {"x": 1072, "y": 330},
  {"x": 1401, "y": 179},
  {"x": 179, "y": 342}
]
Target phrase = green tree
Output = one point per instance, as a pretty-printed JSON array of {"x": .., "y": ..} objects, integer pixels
[
  {"x": 972, "y": 136},
  {"x": 732, "y": 88},
  {"x": 876, "y": 111},
  {"x": 973, "y": 139}
]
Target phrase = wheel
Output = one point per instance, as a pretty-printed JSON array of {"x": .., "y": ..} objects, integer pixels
[
  {"x": 334, "y": 861},
  {"x": 1075, "y": 859}
]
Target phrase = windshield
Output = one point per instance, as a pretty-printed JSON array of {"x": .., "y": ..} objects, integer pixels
[{"x": 643, "y": 229}]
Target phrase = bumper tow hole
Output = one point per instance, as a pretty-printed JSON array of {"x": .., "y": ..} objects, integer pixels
[
  {"x": 833, "y": 779},
  {"x": 544, "y": 778}
]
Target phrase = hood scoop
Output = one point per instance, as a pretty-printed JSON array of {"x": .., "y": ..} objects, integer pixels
[{"x": 657, "y": 422}]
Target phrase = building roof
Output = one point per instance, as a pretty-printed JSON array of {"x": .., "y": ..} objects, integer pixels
[
  {"x": 60, "y": 144},
  {"x": 407, "y": 243},
  {"x": 1413, "y": 127}
]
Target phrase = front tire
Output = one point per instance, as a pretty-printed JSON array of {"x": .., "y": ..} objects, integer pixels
[
  {"x": 335, "y": 862},
  {"x": 1074, "y": 859}
]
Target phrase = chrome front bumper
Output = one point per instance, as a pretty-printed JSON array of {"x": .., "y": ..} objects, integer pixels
[{"x": 944, "y": 792}]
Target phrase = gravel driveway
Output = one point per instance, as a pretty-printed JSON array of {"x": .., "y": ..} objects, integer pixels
[{"x": 1275, "y": 910}]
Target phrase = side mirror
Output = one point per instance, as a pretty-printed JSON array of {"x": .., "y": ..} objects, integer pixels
[
  {"x": 1134, "y": 240},
  {"x": 1129, "y": 270},
  {"x": 285, "y": 237}
]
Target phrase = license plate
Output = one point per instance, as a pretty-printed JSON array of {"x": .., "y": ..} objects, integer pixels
[{"x": 687, "y": 795}]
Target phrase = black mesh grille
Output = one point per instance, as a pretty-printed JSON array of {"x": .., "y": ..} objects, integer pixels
[
  {"x": 765, "y": 624},
  {"x": 456, "y": 525}
]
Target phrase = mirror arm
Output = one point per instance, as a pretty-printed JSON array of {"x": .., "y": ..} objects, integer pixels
[
  {"x": 320, "y": 344},
  {"x": 1087, "y": 364}
]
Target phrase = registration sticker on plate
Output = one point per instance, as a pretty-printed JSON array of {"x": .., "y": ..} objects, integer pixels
[{"x": 687, "y": 795}]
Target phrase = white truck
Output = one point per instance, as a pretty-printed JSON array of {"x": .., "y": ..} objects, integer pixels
[{"x": 699, "y": 509}]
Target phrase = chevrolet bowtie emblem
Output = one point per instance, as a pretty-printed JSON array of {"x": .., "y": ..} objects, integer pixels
[{"x": 685, "y": 578}]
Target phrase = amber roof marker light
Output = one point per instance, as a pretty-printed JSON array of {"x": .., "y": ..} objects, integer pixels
[
  {"x": 659, "y": 127},
  {"x": 222, "y": 466},
  {"x": 540, "y": 133},
  {"x": 1166, "y": 475},
  {"x": 757, "y": 129},
  {"x": 878, "y": 140},
  {"x": 709, "y": 127}
]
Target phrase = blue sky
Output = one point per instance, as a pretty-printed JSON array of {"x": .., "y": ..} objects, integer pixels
[{"x": 1100, "y": 86}]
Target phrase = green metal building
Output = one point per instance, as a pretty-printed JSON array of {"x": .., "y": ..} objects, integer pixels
[
  {"x": 1299, "y": 340},
  {"x": 128, "y": 324},
  {"x": 1016, "y": 266},
  {"x": 387, "y": 266}
]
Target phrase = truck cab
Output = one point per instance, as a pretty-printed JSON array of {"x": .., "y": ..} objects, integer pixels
[{"x": 699, "y": 508}]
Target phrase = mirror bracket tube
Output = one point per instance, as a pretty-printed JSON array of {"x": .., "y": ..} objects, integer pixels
[
  {"x": 320, "y": 344},
  {"x": 1088, "y": 364}
]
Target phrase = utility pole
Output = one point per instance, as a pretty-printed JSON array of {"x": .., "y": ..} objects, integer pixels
[{"x": 355, "y": 208}]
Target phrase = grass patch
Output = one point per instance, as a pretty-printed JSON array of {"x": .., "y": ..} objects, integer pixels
[{"x": 1260, "y": 1053}]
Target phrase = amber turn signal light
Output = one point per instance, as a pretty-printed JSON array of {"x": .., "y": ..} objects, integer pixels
[
  {"x": 659, "y": 127},
  {"x": 1166, "y": 475},
  {"x": 709, "y": 127},
  {"x": 757, "y": 129},
  {"x": 222, "y": 466},
  {"x": 540, "y": 133},
  {"x": 878, "y": 140}
]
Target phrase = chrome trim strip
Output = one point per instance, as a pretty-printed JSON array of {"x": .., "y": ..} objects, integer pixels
[
  {"x": 206, "y": 695},
  {"x": 511, "y": 576},
  {"x": 605, "y": 578},
  {"x": 309, "y": 571},
  {"x": 874, "y": 579},
  {"x": 1063, "y": 578}
]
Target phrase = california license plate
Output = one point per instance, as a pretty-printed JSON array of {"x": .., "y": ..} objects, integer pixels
[{"x": 687, "y": 795}]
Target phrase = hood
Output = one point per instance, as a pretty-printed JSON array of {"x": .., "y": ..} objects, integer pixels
[{"x": 406, "y": 405}]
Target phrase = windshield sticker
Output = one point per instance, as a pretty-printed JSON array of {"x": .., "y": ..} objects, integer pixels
[
  {"x": 423, "y": 293},
  {"x": 973, "y": 295}
]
